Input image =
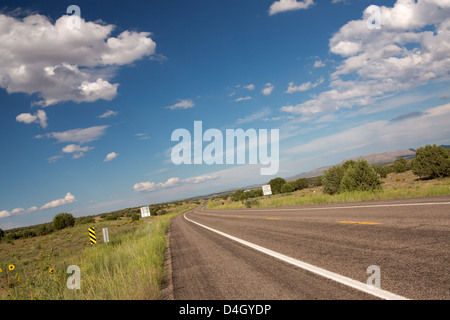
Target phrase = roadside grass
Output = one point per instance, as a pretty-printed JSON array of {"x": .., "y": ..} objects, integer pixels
[
  {"x": 395, "y": 186},
  {"x": 131, "y": 266}
]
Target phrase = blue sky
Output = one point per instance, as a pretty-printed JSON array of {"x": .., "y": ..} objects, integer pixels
[{"x": 86, "y": 116}]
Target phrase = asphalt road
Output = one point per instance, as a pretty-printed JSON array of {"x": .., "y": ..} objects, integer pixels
[{"x": 408, "y": 241}]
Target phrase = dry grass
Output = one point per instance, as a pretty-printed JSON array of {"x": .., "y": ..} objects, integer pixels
[{"x": 130, "y": 267}]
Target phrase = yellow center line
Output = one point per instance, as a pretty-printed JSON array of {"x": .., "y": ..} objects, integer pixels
[
  {"x": 272, "y": 219},
  {"x": 357, "y": 222}
]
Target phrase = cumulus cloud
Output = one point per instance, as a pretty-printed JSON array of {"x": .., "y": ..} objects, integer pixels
[
  {"x": 39, "y": 117},
  {"x": 69, "y": 198},
  {"x": 267, "y": 90},
  {"x": 172, "y": 182},
  {"x": 182, "y": 104},
  {"x": 304, "y": 86},
  {"x": 110, "y": 156},
  {"x": 60, "y": 63},
  {"x": 289, "y": 5},
  {"x": 411, "y": 48}
]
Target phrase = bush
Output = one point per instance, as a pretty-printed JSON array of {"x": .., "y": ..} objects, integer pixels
[
  {"x": 276, "y": 184},
  {"x": 84, "y": 220},
  {"x": 381, "y": 170},
  {"x": 300, "y": 184},
  {"x": 63, "y": 220},
  {"x": 287, "y": 187},
  {"x": 331, "y": 179},
  {"x": 351, "y": 176},
  {"x": 431, "y": 162},
  {"x": 235, "y": 196},
  {"x": 360, "y": 177},
  {"x": 400, "y": 165},
  {"x": 2, "y": 234},
  {"x": 243, "y": 196},
  {"x": 135, "y": 217}
]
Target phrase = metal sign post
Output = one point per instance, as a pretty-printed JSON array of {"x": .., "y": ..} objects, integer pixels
[{"x": 105, "y": 236}]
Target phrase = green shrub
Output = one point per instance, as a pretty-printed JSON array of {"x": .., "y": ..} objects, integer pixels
[
  {"x": 431, "y": 162},
  {"x": 331, "y": 179},
  {"x": 360, "y": 177},
  {"x": 400, "y": 165},
  {"x": 135, "y": 217},
  {"x": 381, "y": 170},
  {"x": 287, "y": 187},
  {"x": 276, "y": 184},
  {"x": 63, "y": 220}
]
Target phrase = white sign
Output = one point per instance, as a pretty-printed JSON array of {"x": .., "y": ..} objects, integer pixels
[
  {"x": 267, "y": 191},
  {"x": 145, "y": 211},
  {"x": 105, "y": 235}
]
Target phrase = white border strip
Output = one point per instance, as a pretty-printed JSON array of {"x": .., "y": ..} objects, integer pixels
[
  {"x": 306, "y": 266},
  {"x": 349, "y": 207}
]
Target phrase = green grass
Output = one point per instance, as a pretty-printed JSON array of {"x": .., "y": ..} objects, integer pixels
[
  {"x": 396, "y": 186},
  {"x": 130, "y": 267}
]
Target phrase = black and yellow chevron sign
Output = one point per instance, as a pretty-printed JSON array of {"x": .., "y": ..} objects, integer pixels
[{"x": 92, "y": 237}]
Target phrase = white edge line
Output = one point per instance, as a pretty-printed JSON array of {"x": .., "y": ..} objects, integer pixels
[
  {"x": 306, "y": 266},
  {"x": 348, "y": 207}
]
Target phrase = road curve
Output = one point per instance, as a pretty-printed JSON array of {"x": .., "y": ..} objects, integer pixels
[{"x": 408, "y": 240}]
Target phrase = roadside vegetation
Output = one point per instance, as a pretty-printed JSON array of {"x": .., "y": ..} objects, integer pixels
[
  {"x": 130, "y": 266},
  {"x": 428, "y": 174}
]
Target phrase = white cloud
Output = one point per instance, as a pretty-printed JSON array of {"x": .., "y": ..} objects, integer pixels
[
  {"x": 304, "y": 86},
  {"x": 172, "y": 182},
  {"x": 289, "y": 5},
  {"x": 144, "y": 186},
  {"x": 60, "y": 63},
  {"x": 318, "y": 64},
  {"x": 4, "y": 214},
  {"x": 243, "y": 99},
  {"x": 397, "y": 57},
  {"x": 40, "y": 117},
  {"x": 250, "y": 87},
  {"x": 268, "y": 88},
  {"x": 108, "y": 114},
  {"x": 110, "y": 156},
  {"x": 182, "y": 104},
  {"x": 430, "y": 127},
  {"x": 69, "y": 198},
  {"x": 71, "y": 148},
  {"x": 77, "y": 135}
]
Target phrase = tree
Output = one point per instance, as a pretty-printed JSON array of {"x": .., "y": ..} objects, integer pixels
[
  {"x": 135, "y": 216},
  {"x": 275, "y": 185},
  {"x": 287, "y": 187},
  {"x": 331, "y": 179},
  {"x": 381, "y": 170},
  {"x": 300, "y": 184},
  {"x": 431, "y": 162},
  {"x": 2, "y": 234},
  {"x": 400, "y": 165},
  {"x": 360, "y": 177},
  {"x": 63, "y": 220}
]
